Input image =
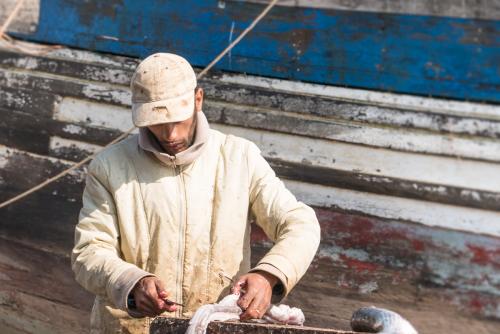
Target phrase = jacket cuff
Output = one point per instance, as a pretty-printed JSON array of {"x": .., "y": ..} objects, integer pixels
[
  {"x": 124, "y": 285},
  {"x": 279, "y": 290}
]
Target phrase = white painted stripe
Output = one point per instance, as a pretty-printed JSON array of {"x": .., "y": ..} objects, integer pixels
[
  {"x": 78, "y": 111},
  {"x": 412, "y": 140},
  {"x": 57, "y": 143},
  {"x": 381, "y": 162},
  {"x": 324, "y": 153},
  {"x": 6, "y": 153},
  {"x": 427, "y": 213},
  {"x": 401, "y": 101},
  {"x": 110, "y": 116},
  {"x": 484, "y": 9},
  {"x": 21, "y": 77}
]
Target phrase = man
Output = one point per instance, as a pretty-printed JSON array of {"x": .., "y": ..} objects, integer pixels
[{"x": 165, "y": 220}]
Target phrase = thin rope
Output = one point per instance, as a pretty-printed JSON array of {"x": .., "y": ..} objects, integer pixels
[
  {"x": 10, "y": 43},
  {"x": 240, "y": 37},
  {"x": 126, "y": 133},
  {"x": 11, "y": 16},
  {"x": 63, "y": 173}
]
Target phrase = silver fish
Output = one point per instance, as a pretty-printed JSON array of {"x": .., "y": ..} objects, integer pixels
[{"x": 379, "y": 320}]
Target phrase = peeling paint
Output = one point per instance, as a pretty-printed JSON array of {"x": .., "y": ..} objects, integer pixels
[
  {"x": 79, "y": 111},
  {"x": 485, "y": 9},
  {"x": 409, "y": 102},
  {"x": 58, "y": 143},
  {"x": 74, "y": 129},
  {"x": 427, "y": 213},
  {"x": 417, "y": 167},
  {"x": 367, "y": 288}
]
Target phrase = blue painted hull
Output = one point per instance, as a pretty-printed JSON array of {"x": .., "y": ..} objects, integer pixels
[{"x": 424, "y": 55}]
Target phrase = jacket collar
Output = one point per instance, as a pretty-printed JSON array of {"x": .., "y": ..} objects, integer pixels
[{"x": 148, "y": 143}]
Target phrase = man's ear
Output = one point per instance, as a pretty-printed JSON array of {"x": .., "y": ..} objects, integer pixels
[{"x": 198, "y": 98}]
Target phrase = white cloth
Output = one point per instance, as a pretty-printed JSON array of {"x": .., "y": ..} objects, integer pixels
[{"x": 227, "y": 309}]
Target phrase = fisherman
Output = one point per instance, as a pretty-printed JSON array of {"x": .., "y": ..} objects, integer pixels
[{"x": 165, "y": 224}]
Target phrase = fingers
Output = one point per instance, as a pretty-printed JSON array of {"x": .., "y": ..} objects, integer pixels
[
  {"x": 152, "y": 294},
  {"x": 163, "y": 295},
  {"x": 160, "y": 288},
  {"x": 256, "y": 295},
  {"x": 257, "y": 307},
  {"x": 146, "y": 307},
  {"x": 149, "y": 295}
]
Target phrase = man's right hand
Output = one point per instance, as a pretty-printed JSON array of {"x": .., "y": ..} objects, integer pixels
[{"x": 149, "y": 294}]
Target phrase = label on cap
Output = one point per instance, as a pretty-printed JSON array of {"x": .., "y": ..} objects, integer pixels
[{"x": 160, "y": 109}]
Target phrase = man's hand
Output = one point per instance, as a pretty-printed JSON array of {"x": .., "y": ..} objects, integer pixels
[
  {"x": 149, "y": 294},
  {"x": 256, "y": 290}
]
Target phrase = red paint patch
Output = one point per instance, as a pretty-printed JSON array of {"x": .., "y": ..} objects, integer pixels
[
  {"x": 476, "y": 304},
  {"x": 480, "y": 255},
  {"x": 358, "y": 265},
  {"x": 418, "y": 245}
]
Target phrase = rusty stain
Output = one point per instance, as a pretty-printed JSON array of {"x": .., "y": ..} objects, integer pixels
[
  {"x": 484, "y": 257},
  {"x": 358, "y": 265}
]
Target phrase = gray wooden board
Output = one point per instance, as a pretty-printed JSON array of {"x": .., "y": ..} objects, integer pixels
[
  {"x": 276, "y": 120},
  {"x": 22, "y": 131},
  {"x": 120, "y": 74}
]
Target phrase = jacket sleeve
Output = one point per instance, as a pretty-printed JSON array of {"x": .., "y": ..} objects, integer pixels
[
  {"x": 95, "y": 258},
  {"x": 290, "y": 224}
]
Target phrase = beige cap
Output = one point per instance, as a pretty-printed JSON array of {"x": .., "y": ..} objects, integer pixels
[{"x": 162, "y": 90}]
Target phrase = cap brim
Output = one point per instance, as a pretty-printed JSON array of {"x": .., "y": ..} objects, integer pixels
[{"x": 164, "y": 111}]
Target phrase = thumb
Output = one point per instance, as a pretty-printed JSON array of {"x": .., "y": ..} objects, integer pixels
[
  {"x": 239, "y": 285},
  {"x": 160, "y": 289}
]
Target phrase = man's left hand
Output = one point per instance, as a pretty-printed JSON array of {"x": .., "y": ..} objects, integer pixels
[{"x": 256, "y": 290}]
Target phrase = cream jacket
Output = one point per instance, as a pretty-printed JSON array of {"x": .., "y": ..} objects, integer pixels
[{"x": 187, "y": 224}]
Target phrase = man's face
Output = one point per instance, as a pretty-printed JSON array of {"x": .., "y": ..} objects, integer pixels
[
  {"x": 178, "y": 136},
  {"x": 175, "y": 137}
]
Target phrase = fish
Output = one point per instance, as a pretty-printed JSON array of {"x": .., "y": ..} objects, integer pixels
[{"x": 378, "y": 320}]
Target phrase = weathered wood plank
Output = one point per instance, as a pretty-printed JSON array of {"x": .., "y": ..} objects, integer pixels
[
  {"x": 297, "y": 102},
  {"x": 75, "y": 150},
  {"x": 38, "y": 293},
  {"x": 424, "y": 105},
  {"x": 341, "y": 131},
  {"x": 115, "y": 70},
  {"x": 256, "y": 117},
  {"x": 416, "y": 54},
  {"x": 179, "y": 326},
  {"x": 338, "y": 109},
  {"x": 402, "y": 209},
  {"x": 486, "y": 9},
  {"x": 72, "y": 142},
  {"x": 13, "y": 122},
  {"x": 386, "y": 186},
  {"x": 341, "y": 156},
  {"x": 362, "y": 260}
]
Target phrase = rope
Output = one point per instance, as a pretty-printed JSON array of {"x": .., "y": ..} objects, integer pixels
[
  {"x": 240, "y": 37},
  {"x": 126, "y": 133},
  {"x": 8, "y": 42},
  {"x": 11, "y": 16},
  {"x": 63, "y": 173}
]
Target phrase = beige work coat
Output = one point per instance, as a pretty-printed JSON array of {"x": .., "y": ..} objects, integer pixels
[{"x": 188, "y": 225}]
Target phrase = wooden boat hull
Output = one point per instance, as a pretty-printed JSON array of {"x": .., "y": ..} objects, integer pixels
[{"x": 406, "y": 187}]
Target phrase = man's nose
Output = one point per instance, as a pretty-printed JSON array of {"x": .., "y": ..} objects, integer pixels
[{"x": 170, "y": 132}]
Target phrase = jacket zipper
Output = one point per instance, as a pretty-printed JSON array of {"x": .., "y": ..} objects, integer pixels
[{"x": 180, "y": 254}]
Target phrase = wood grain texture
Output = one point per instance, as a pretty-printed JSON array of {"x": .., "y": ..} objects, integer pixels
[{"x": 179, "y": 326}]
